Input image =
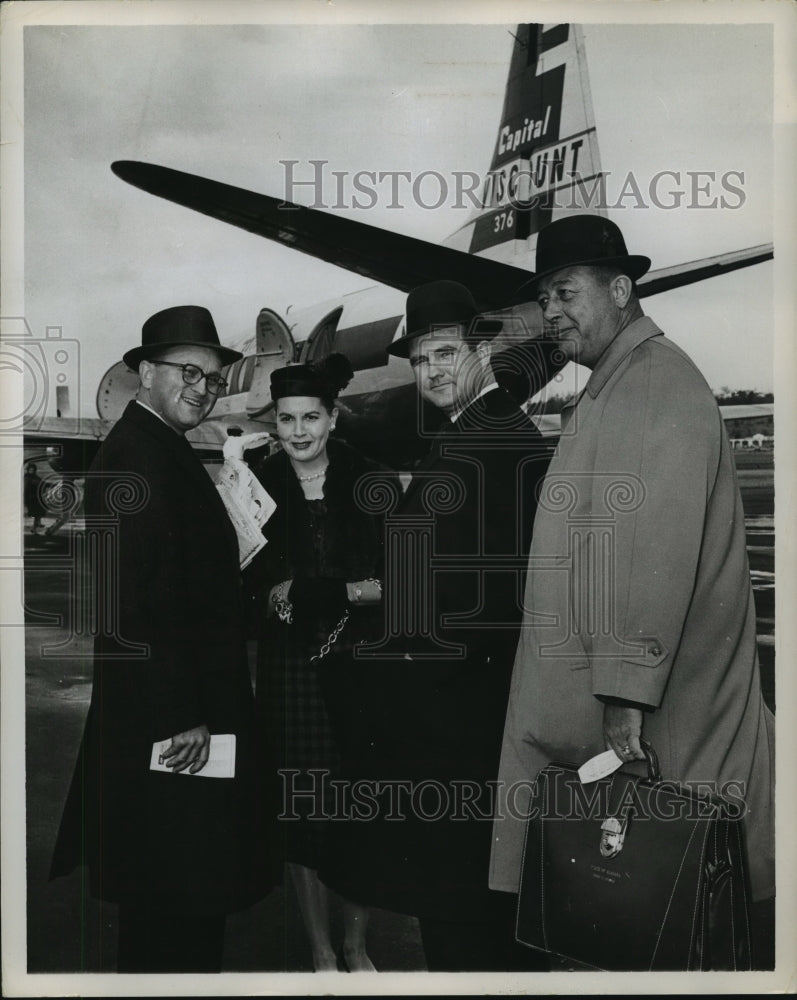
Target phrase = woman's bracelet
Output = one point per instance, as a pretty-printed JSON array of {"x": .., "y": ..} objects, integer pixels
[
  {"x": 358, "y": 591},
  {"x": 282, "y": 605}
]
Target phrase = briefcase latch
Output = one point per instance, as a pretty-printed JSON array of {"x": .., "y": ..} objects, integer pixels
[{"x": 612, "y": 836}]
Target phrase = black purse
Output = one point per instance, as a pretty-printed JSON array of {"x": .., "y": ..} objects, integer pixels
[{"x": 634, "y": 874}]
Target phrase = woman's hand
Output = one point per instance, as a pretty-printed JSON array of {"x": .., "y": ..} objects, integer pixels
[
  {"x": 234, "y": 447},
  {"x": 364, "y": 591}
]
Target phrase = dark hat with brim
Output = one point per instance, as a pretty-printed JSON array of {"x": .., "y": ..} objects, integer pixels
[
  {"x": 437, "y": 305},
  {"x": 580, "y": 241},
  {"x": 179, "y": 326}
]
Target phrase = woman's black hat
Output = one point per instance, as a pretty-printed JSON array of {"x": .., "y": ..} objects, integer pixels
[
  {"x": 179, "y": 326},
  {"x": 323, "y": 379}
]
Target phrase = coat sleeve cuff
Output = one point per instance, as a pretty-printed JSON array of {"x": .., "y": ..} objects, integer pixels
[
  {"x": 169, "y": 724},
  {"x": 624, "y": 702},
  {"x": 176, "y": 708},
  {"x": 628, "y": 682}
]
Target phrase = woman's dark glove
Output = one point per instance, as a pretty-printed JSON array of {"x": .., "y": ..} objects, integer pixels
[{"x": 318, "y": 598}]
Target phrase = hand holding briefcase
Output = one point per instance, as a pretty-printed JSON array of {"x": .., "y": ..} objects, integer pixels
[{"x": 632, "y": 873}]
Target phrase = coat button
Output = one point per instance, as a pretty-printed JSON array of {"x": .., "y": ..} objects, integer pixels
[{"x": 655, "y": 650}]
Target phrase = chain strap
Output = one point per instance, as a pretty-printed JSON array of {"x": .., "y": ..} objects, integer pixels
[
  {"x": 284, "y": 610},
  {"x": 333, "y": 638}
]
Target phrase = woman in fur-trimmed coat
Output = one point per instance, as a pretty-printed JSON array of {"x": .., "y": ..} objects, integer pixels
[{"x": 318, "y": 588}]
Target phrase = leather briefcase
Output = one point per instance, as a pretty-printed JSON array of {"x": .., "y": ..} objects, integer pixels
[{"x": 634, "y": 874}]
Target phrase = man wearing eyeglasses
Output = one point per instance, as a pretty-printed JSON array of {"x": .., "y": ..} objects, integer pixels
[
  {"x": 176, "y": 849},
  {"x": 184, "y": 397}
]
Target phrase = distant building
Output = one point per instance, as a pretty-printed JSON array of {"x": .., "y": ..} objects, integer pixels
[{"x": 757, "y": 441}]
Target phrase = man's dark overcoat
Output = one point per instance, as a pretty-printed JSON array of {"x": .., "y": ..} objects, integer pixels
[
  {"x": 170, "y": 583},
  {"x": 441, "y": 720}
]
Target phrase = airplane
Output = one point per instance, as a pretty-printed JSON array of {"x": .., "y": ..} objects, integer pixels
[{"x": 545, "y": 164}]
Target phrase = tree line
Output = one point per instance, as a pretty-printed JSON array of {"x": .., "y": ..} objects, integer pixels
[{"x": 723, "y": 396}]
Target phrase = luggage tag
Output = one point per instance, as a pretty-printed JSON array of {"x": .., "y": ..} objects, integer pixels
[{"x": 598, "y": 767}]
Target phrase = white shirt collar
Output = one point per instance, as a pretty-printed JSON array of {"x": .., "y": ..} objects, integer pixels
[
  {"x": 148, "y": 407},
  {"x": 458, "y": 413}
]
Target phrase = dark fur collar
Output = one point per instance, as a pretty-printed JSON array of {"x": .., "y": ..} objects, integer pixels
[{"x": 345, "y": 466}]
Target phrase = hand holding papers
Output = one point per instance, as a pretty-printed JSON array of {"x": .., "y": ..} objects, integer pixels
[
  {"x": 248, "y": 505},
  {"x": 221, "y": 762},
  {"x": 236, "y": 444}
]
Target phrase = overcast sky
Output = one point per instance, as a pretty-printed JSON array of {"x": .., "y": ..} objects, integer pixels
[{"x": 231, "y": 102}]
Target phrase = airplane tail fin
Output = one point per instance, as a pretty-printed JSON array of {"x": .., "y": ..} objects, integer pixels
[{"x": 546, "y": 150}]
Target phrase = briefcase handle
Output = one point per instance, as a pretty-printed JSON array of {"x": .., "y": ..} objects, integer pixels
[
  {"x": 652, "y": 759},
  {"x": 615, "y": 826}
]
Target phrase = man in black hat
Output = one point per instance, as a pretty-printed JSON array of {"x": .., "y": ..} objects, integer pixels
[
  {"x": 176, "y": 850},
  {"x": 446, "y": 691},
  {"x": 639, "y": 614}
]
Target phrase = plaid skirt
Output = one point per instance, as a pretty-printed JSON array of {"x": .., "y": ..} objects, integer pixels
[{"x": 293, "y": 702}]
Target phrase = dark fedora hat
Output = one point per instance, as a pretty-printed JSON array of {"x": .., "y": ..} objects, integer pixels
[
  {"x": 581, "y": 241},
  {"x": 179, "y": 326},
  {"x": 439, "y": 304}
]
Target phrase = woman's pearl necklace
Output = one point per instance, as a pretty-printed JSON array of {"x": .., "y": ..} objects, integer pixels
[{"x": 315, "y": 475}]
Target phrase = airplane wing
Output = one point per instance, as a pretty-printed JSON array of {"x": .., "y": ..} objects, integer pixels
[
  {"x": 393, "y": 259},
  {"x": 698, "y": 270},
  {"x": 398, "y": 261}
]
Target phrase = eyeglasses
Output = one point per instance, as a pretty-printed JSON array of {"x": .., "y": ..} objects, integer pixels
[{"x": 192, "y": 375}]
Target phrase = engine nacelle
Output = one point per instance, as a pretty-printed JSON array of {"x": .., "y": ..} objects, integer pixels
[{"x": 117, "y": 387}]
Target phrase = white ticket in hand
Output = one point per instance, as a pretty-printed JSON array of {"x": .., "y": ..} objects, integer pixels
[
  {"x": 599, "y": 767},
  {"x": 221, "y": 762}
]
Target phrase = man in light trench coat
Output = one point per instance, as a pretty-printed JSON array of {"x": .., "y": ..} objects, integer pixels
[{"x": 662, "y": 644}]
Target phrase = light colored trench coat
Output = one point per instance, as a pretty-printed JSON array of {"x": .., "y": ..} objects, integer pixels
[{"x": 639, "y": 588}]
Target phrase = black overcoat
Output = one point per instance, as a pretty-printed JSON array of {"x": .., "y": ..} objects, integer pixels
[
  {"x": 440, "y": 721},
  {"x": 169, "y": 585}
]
